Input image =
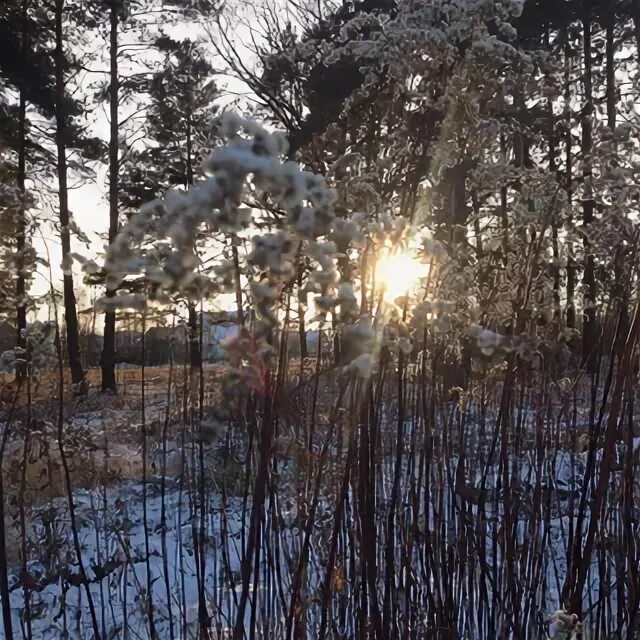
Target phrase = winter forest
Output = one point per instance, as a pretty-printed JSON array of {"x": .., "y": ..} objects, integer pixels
[{"x": 319, "y": 319}]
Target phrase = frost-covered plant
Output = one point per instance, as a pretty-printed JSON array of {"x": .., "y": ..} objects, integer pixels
[
  {"x": 430, "y": 86},
  {"x": 17, "y": 255},
  {"x": 157, "y": 243},
  {"x": 452, "y": 121},
  {"x": 39, "y": 349},
  {"x": 564, "y": 625},
  {"x": 249, "y": 163}
]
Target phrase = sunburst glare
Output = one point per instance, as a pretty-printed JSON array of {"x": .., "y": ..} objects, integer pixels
[{"x": 399, "y": 274}]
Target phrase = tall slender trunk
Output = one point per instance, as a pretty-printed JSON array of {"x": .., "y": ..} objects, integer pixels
[
  {"x": 4, "y": 574},
  {"x": 553, "y": 168},
  {"x": 189, "y": 151},
  {"x": 108, "y": 360},
  {"x": 610, "y": 73},
  {"x": 21, "y": 236},
  {"x": 571, "y": 268},
  {"x": 636, "y": 24},
  {"x": 619, "y": 286},
  {"x": 195, "y": 358},
  {"x": 70, "y": 313},
  {"x": 589, "y": 331},
  {"x": 195, "y": 354},
  {"x": 238, "y": 284},
  {"x": 302, "y": 308}
]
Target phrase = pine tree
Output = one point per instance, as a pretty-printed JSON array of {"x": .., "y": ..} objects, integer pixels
[
  {"x": 61, "y": 136},
  {"x": 25, "y": 68},
  {"x": 107, "y": 360},
  {"x": 180, "y": 133},
  {"x": 115, "y": 18}
]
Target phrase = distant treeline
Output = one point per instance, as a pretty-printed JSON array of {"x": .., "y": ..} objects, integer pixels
[{"x": 162, "y": 345}]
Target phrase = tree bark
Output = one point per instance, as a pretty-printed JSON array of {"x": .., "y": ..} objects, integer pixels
[
  {"x": 589, "y": 330},
  {"x": 195, "y": 355},
  {"x": 611, "y": 75},
  {"x": 636, "y": 24},
  {"x": 554, "y": 223},
  {"x": 620, "y": 287},
  {"x": 571, "y": 269},
  {"x": 70, "y": 312},
  {"x": 238, "y": 284},
  {"x": 108, "y": 360},
  {"x": 302, "y": 309},
  {"x": 21, "y": 235}
]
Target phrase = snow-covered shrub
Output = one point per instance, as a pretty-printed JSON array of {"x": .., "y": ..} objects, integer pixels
[
  {"x": 39, "y": 350},
  {"x": 157, "y": 245}
]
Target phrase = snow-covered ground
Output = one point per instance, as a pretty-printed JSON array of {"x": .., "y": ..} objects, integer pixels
[
  {"x": 116, "y": 552},
  {"x": 113, "y": 541}
]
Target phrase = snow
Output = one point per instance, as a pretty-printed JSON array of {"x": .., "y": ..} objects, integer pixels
[
  {"x": 112, "y": 535},
  {"x": 117, "y": 533}
]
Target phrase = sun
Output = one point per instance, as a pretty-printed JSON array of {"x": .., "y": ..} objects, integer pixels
[{"x": 399, "y": 274}]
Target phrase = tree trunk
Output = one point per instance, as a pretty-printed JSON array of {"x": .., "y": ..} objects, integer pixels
[
  {"x": 302, "y": 309},
  {"x": 553, "y": 168},
  {"x": 620, "y": 288},
  {"x": 70, "y": 314},
  {"x": 108, "y": 360},
  {"x": 589, "y": 330},
  {"x": 21, "y": 235},
  {"x": 189, "y": 166},
  {"x": 554, "y": 223},
  {"x": 636, "y": 24},
  {"x": 571, "y": 269},
  {"x": 195, "y": 355},
  {"x": 238, "y": 283},
  {"x": 611, "y": 76}
]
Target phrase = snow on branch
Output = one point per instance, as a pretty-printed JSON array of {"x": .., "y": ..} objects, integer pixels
[{"x": 158, "y": 242}]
